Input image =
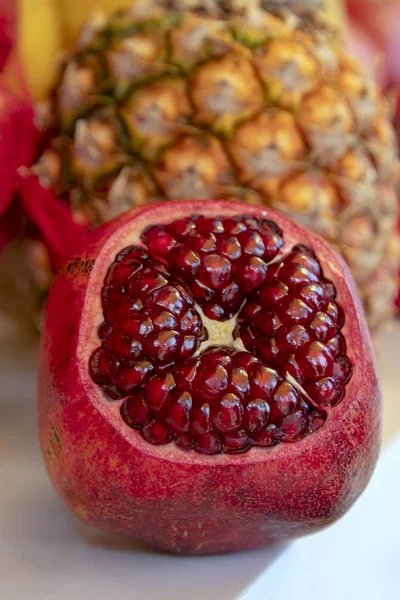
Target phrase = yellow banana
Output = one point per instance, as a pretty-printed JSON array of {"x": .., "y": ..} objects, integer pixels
[{"x": 39, "y": 41}]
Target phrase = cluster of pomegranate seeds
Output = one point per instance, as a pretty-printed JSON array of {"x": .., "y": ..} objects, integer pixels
[
  {"x": 223, "y": 400},
  {"x": 293, "y": 323},
  {"x": 150, "y": 322},
  {"x": 220, "y": 260},
  {"x": 220, "y": 399}
]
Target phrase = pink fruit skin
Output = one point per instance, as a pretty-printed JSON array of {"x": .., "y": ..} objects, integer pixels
[{"x": 182, "y": 502}]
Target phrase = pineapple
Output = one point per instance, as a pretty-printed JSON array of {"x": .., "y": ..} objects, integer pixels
[{"x": 238, "y": 99}]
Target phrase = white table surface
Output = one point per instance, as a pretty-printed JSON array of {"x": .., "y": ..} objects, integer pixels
[{"x": 46, "y": 554}]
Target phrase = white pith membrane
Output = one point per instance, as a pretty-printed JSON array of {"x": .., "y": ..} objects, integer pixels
[{"x": 220, "y": 333}]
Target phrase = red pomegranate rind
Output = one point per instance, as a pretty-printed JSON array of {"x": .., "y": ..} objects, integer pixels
[
  {"x": 288, "y": 322},
  {"x": 180, "y": 500}
]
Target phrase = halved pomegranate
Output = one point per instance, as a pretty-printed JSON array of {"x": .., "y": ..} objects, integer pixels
[{"x": 207, "y": 380}]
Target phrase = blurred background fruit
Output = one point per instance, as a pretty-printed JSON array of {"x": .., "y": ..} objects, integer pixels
[
  {"x": 336, "y": 12},
  {"x": 74, "y": 13},
  {"x": 60, "y": 21},
  {"x": 156, "y": 104},
  {"x": 39, "y": 41},
  {"x": 380, "y": 21},
  {"x": 375, "y": 37}
]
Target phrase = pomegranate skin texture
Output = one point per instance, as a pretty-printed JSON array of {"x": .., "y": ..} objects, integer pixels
[{"x": 187, "y": 500}]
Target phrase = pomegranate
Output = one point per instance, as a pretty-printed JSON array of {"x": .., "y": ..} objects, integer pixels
[{"x": 207, "y": 380}]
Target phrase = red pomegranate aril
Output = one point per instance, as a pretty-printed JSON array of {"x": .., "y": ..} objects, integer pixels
[
  {"x": 291, "y": 366},
  {"x": 169, "y": 298},
  {"x": 219, "y": 355},
  {"x": 343, "y": 369},
  {"x": 313, "y": 294},
  {"x": 315, "y": 360},
  {"x": 286, "y": 399},
  {"x": 179, "y": 412},
  {"x": 240, "y": 384},
  {"x": 183, "y": 261},
  {"x": 227, "y": 416},
  {"x": 264, "y": 381},
  {"x": 109, "y": 300},
  {"x": 247, "y": 338},
  {"x": 185, "y": 374},
  {"x": 273, "y": 292},
  {"x": 293, "y": 311},
  {"x": 201, "y": 292},
  {"x": 215, "y": 271},
  {"x": 236, "y": 443},
  {"x": 148, "y": 281},
  {"x": 131, "y": 376},
  {"x": 335, "y": 313},
  {"x": 293, "y": 427},
  {"x": 337, "y": 345},
  {"x": 190, "y": 321},
  {"x": 293, "y": 274},
  {"x": 329, "y": 290},
  {"x": 244, "y": 360},
  {"x": 304, "y": 256},
  {"x": 251, "y": 273},
  {"x": 201, "y": 420},
  {"x": 206, "y": 226},
  {"x": 215, "y": 312},
  {"x": 164, "y": 347},
  {"x": 234, "y": 225},
  {"x": 181, "y": 227},
  {"x": 132, "y": 253},
  {"x": 211, "y": 381},
  {"x": 267, "y": 436},
  {"x": 157, "y": 433},
  {"x": 231, "y": 297},
  {"x": 159, "y": 241},
  {"x": 289, "y": 340},
  {"x": 120, "y": 272},
  {"x": 111, "y": 391},
  {"x": 322, "y": 327},
  {"x": 273, "y": 243},
  {"x": 201, "y": 243},
  {"x": 124, "y": 307},
  {"x": 315, "y": 421},
  {"x": 135, "y": 412},
  {"x": 273, "y": 270},
  {"x": 326, "y": 391},
  {"x": 267, "y": 323},
  {"x": 104, "y": 331},
  {"x": 102, "y": 366},
  {"x": 165, "y": 320},
  {"x": 136, "y": 326},
  {"x": 252, "y": 243},
  {"x": 257, "y": 414},
  {"x": 208, "y": 443},
  {"x": 158, "y": 391},
  {"x": 122, "y": 347},
  {"x": 268, "y": 350},
  {"x": 189, "y": 346},
  {"x": 184, "y": 441},
  {"x": 230, "y": 248},
  {"x": 268, "y": 226}
]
